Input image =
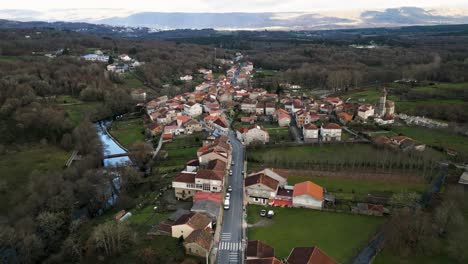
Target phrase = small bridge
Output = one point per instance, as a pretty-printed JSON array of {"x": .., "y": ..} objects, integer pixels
[{"x": 116, "y": 155}]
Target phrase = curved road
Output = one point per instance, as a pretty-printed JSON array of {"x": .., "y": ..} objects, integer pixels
[{"x": 230, "y": 246}]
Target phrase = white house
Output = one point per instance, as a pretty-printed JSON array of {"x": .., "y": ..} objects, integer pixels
[
  {"x": 284, "y": 119},
  {"x": 365, "y": 111},
  {"x": 94, "y": 57},
  {"x": 186, "y": 78},
  {"x": 277, "y": 175},
  {"x": 202, "y": 86},
  {"x": 193, "y": 109},
  {"x": 308, "y": 195},
  {"x": 188, "y": 223},
  {"x": 254, "y": 134},
  {"x": 260, "y": 188},
  {"x": 124, "y": 57},
  {"x": 330, "y": 132},
  {"x": 310, "y": 132}
]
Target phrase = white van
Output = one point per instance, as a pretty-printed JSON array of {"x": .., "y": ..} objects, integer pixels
[{"x": 226, "y": 204}]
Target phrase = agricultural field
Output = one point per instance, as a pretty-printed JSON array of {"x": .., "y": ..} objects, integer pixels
[
  {"x": 16, "y": 167},
  {"x": 334, "y": 156},
  {"x": 358, "y": 187},
  {"x": 180, "y": 151},
  {"x": 128, "y": 132},
  {"x": 293, "y": 227},
  {"x": 442, "y": 138}
]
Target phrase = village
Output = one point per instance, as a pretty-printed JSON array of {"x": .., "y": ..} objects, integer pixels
[{"x": 227, "y": 108}]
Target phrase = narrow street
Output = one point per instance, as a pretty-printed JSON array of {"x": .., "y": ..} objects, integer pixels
[{"x": 230, "y": 245}]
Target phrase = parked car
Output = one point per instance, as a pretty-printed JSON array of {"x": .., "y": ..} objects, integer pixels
[
  {"x": 263, "y": 213},
  {"x": 229, "y": 189},
  {"x": 270, "y": 214},
  {"x": 232, "y": 163},
  {"x": 228, "y": 195},
  {"x": 226, "y": 204},
  {"x": 230, "y": 172}
]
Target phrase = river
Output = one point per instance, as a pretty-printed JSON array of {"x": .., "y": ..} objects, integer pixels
[{"x": 110, "y": 146}]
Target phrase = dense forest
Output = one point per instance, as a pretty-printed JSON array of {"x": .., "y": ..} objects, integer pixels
[{"x": 42, "y": 223}]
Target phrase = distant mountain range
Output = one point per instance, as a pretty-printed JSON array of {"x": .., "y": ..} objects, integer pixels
[{"x": 391, "y": 17}]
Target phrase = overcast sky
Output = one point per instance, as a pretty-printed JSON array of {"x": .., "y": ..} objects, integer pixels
[{"x": 225, "y": 5}]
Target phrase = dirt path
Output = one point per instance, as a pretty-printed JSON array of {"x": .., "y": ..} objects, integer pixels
[{"x": 262, "y": 222}]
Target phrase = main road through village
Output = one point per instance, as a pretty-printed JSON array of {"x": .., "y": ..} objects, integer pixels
[{"x": 230, "y": 244}]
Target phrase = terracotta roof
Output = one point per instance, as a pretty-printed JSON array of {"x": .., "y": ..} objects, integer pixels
[
  {"x": 310, "y": 126},
  {"x": 183, "y": 118},
  {"x": 261, "y": 179},
  {"x": 309, "y": 255},
  {"x": 309, "y": 188},
  {"x": 209, "y": 175},
  {"x": 398, "y": 138},
  {"x": 332, "y": 126},
  {"x": 283, "y": 115},
  {"x": 185, "y": 177},
  {"x": 333, "y": 99},
  {"x": 382, "y": 140},
  {"x": 200, "y": 237},
  {"x": 194, "y": 220},
  {"x": 281, "y": 173},
  {"x": 345, "y": 116},
  {"x": 201, "y": 196},
  {"x": 272, "y": 260},
  {"x": 216, "y": 165},
  {"x": 259, "y": 249}
]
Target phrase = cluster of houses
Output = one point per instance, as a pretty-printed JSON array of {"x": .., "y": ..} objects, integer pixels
[
  {"x": 400, "y": 142},
  {"x": 201, "y": 181},
  {"x": 122, "y": 64},
  {"x": 258, "y": 252},
  {"x": 269, "y": 187}
]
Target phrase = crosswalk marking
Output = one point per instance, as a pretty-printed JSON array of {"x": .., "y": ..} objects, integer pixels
[
  {"x": 226, "y": 236},
  {"x": 230, "y": 246},
  {"x": 233, "y": 257}
]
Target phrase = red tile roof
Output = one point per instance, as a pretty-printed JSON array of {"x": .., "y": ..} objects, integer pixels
[
  {"x": 309, "y": 255},
  {"x": 259, "y": 249},
  {"x": 272, "y": 260},
  {"x": 209, "y": 175},
  {"x": 332, "y": 126},
  {"x": 185, "y": 177},
  {"x": 200, "y": 237},
  {"x": 261, "y": 179},
  {"x": 308, "y": 188},
  {"x": 194, "y": 220},
  {"x": 201, "y": 196},
  {"x": 310, "y": 126}
]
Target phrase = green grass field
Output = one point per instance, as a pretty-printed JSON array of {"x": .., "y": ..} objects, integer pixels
[
  {"x": 8, "y": 58},
  {"x": 359, "y": 186},
  {"x": 278, "y": 134},
  {"x": 16, "y": 167},
  {"x": 315, "y": 153},
  {"x": 386, "y": 257},
  {"x": 78, "y": 112},
  {"x": 339, "y": 235},
  {"x": 128, "y": 132},
  {"x": 435, "y": 137},
  {"x": 185, "y": 141}
]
